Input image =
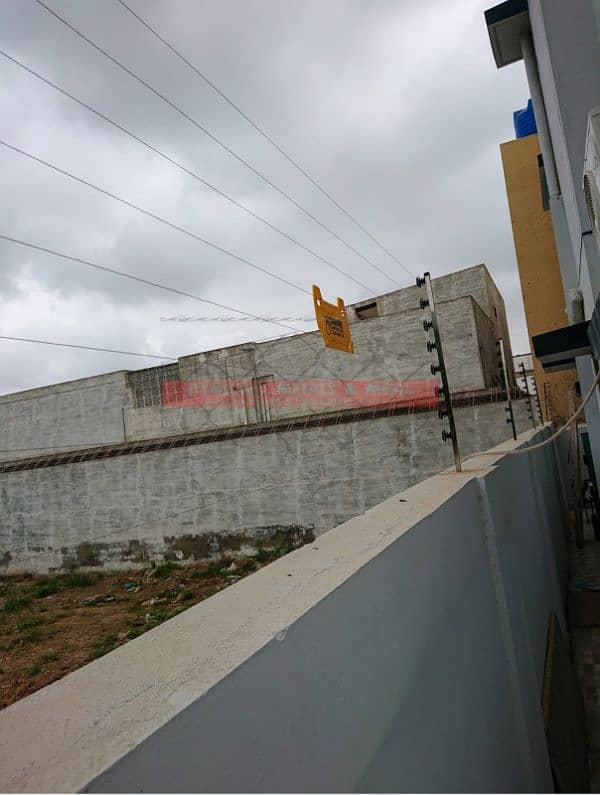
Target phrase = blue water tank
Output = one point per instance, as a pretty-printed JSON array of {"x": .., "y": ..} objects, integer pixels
[{"x": 524, "y": 121}]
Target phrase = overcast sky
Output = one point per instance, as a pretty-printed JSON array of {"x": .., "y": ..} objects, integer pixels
[{"x": 395, "y": 106}]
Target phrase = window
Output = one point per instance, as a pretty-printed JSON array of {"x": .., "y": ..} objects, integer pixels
[
  {"x": 543, "y": 184},
  {"x": 367, "y": 311}
]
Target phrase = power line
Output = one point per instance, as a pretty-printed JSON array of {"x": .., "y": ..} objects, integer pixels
[
  {"x": 158, "y": 218},
  {"x": 213, "y": 137},
  {"x": 227, "y": 319},
  {"x": 88, "y": 348},
  {"x": 273, "y": 143},
  {"x": 278, "y": 341},
  {"x": 185, "y": 169},
  {"x": 140, "y": 279}
]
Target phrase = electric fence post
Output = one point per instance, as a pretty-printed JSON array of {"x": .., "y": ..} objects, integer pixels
[
  {"x": 510, "y": 418},
  {"x": 528, "y": 393},
  {"x": 440, "y": 367}
]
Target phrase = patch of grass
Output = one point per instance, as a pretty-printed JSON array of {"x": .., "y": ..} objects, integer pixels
[
  {"x": 212, "y": 570},
  {"x": 79, "y": 579},
  {"x": 164, "y": 570},
  {"x": 35, "y": 669},
  {"x": 187, "y": 595},
  {"x": 158, "y": 616},
  {"x": 38, "y": 665},
  {"x": 31, "y": 635},
  {"x": 14, "y": 604},
  {"x": 29, "y": 623},
  {"x": 264, "y": 555},
  {"x": 136, "y": 631},
  {"x": 103, "y": 646},
  {"x": 46, "y": 588}
]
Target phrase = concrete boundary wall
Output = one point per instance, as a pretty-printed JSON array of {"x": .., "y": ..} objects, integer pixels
[
  {"x": 401, "y": 651},
  {"x": 197, "y": 502}
]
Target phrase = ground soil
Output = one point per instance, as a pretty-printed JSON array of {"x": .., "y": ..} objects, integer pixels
[{"x": 50, "y": 626}]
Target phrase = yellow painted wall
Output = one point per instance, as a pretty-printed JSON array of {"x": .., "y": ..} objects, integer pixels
[{"x": 539, "y": 272}]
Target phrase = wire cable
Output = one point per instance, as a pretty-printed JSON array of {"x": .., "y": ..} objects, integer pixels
[
  {"x": 213, "y": 137},
  {"x": 158, "y": 218},
  {"x": 186, "y": 170},
  {"x": 141, "y": 280},
  {"x": 270, "y": 139},
  {"x": 87, "y": 348}
]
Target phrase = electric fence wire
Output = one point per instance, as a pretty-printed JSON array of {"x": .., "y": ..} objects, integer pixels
[
  {"x": 212, "y": 136},
  {"x": 261, "y": 131}
]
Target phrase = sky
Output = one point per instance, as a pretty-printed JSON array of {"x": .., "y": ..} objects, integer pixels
[{"x": 394, "y": 106}]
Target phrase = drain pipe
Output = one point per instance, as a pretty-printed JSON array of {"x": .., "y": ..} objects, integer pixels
[{"x": 533, "y": 78}]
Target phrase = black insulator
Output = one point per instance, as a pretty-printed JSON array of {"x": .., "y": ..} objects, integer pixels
[
  {"x": 435, "y": 368},
  {"x": 446, "y": 435},
  {"x": 427, "y": 325},
  {"x": 420, "y": 281},
  {"x": 431, "y": 346},
  {"x": 424, "y": 303}
]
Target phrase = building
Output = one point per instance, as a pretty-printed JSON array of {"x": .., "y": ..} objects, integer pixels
[
  {"x": 559, "y": 44},
  {"x": 539, "y": 269},
  {"x": 140, "y": 465},
  {"x": 260, "y": 382}
]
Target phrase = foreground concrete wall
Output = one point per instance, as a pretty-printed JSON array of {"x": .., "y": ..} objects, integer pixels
[
  {"x": 199, "y": 501},
  {"x": 401, "y": 652}
]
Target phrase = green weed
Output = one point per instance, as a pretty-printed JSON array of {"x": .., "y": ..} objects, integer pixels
[{"x": 103, "y": 646}]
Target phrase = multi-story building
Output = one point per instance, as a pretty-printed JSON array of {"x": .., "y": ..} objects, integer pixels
[
  {"x": 559, "y": 43},
  {"x": 537, "y": 259}
]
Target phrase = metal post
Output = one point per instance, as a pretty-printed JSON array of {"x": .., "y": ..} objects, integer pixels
[
  {"x": 509, "y": 407},
  {"x": 440, "y": 368},
  {"x": 537, "y": 400},
  {"x": 528, "y": 393}
]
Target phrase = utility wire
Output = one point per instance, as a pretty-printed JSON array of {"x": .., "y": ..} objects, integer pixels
[
  {"x": 269, "y": 138},
  {"x": 213, "y": 137},
  {"x": 185, "y": 169},
  {"x": 158, "y": 285},
  {"x": 87, "y": 348},
  {"x": 158, "y": 218},
  {"x": 227, "y": 319}
]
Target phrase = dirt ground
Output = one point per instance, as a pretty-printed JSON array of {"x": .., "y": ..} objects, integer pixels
[{"x": 50, "y": 626}]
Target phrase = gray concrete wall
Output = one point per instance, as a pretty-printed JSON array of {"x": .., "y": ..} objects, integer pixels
[
  {"x": 197, "y": 501},
  {"x": 85, "y": 412},
  {"x": 402, "y": 652}
]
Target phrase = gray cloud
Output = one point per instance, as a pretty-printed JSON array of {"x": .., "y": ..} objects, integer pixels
[{"x": 397, "y": 108}]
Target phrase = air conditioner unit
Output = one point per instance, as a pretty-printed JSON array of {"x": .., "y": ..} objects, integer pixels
[{"x": 591, "y": 171}]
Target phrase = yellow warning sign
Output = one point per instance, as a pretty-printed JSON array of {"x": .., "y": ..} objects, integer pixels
[{"x": 333, "y": 323}]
